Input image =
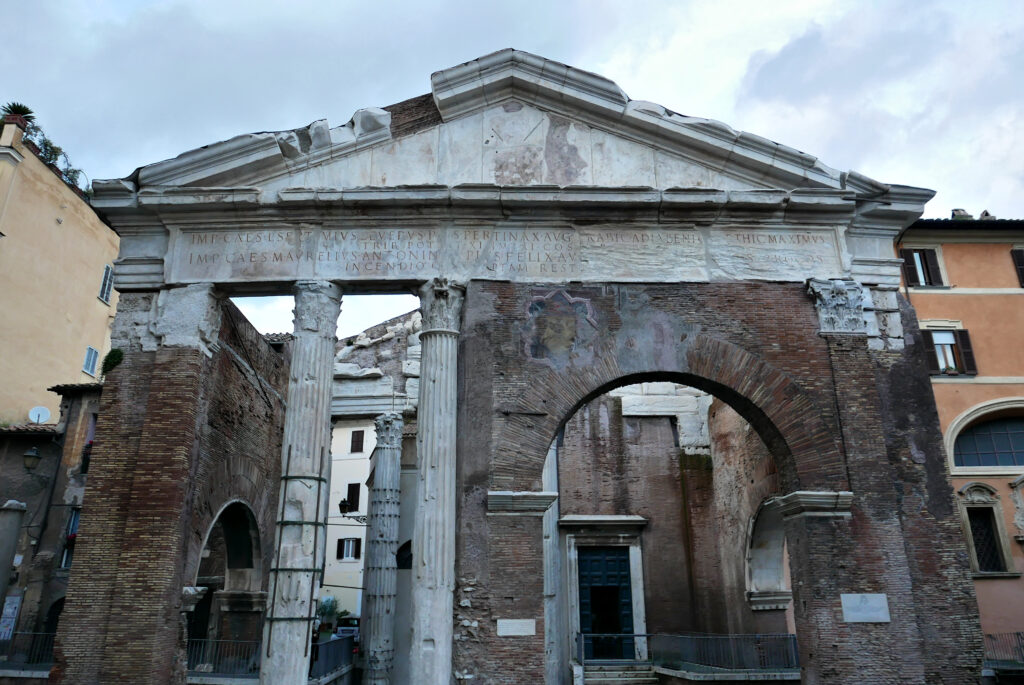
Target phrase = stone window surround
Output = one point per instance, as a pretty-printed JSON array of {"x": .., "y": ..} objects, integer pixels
[
  {"x": 605, "y": 531},
  {"x": 946, "y": 284},
  {"x": 980, "y": 495},
  {"x": 977, "y": 414}
]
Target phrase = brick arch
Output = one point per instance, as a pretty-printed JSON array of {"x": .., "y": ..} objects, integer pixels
[
  {"x": 783, "y": 413},
  {"x": 230, "y": 480}
]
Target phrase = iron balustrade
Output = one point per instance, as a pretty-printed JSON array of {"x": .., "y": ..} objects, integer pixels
[
  {"x": 1004, "y": 650},
  {"x": 330, "y": 655},
  {"x": 690, "y": 651},
  {"x": 28, "y": 651},
  {"x": 224, "y": 657}
]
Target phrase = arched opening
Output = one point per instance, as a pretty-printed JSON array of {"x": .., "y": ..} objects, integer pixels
[
  {"x": 662, "y": 527},
  {"x": 230, "y": 571},
  {"x": 769, "y": 589}
]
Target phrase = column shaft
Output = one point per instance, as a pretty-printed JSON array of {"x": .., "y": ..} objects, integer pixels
[
  {"x": 433, "y": 544},
  {"x": 305, "y": 487},
  {"x": 381, "y": 573}
]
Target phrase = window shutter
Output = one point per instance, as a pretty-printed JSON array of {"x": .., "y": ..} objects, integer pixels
[
  {"x": 931, "y": 263},
  {"x": 963, "y": 342},
  {"x": 353, "y": 496},
  {"x": 340, "y": 554},
  {"x": 1018, "y": 261},
  {"x": 909, "y": 272},
  {"x": 358, "y": 548},
  {"x": 107, "y": 284},
  {"x": 929, "y": 353}
]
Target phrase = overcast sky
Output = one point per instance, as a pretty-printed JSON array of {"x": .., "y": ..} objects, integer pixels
[{"x": 917, "y": 92}]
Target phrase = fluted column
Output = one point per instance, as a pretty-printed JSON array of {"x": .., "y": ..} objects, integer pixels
[
  {"x": 381, "y": 573},
  {"x": 433, "y": 542},
  {"x": 305, "y": 486}
]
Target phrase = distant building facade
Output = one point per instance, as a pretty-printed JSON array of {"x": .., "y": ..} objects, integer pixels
[
  {"x": 43, "y": 471},
  {"x": 56, "y": 281},
  {"x": 965, "y": 279}
]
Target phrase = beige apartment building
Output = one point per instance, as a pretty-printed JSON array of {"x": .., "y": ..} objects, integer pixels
[{"x": 56, "y": 281}]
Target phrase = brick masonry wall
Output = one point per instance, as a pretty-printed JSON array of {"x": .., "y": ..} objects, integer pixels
[
  {"x": 812, "y": 399},
  {"x": 179, "y": 436},
  {"x": 611, "y": 466}
]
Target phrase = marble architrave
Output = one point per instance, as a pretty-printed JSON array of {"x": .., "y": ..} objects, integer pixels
[
  {"x": 305, "y": 487},
  {"x": 554, "y": 253}
]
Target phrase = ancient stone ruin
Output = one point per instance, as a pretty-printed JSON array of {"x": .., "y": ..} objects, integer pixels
[{"x": 566, "y": 242}]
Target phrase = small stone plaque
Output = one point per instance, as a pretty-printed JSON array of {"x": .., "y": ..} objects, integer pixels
[
  {"x": 512, "y": 627},
  {"x": 865, "y": 608}
]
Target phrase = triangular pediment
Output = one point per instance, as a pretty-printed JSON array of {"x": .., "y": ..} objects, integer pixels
[{"x": 509, "y": 118}]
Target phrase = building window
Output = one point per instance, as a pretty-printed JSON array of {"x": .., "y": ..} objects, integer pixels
[
  {"x": 1018, "y": 263},
  {"x": 71, "y": 535},
  {"x": 107, "y": 284},
  {"x": 356, "y": 445},
  {"x": 351, "y": 501},
  {"x": 92, "y": 355},
  {"x": 949, "y": 352},
  {"x": 993, "y": 443},
  {"x": 349, "y": 548},
  {"x": 982, "y": 515},
  {"x": 921, "y": 267}
]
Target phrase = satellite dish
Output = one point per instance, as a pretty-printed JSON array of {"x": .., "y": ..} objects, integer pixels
[{"x": 38, "y": 414}]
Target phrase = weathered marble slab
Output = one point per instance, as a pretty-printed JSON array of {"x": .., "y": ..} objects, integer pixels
[
  {"x": 541, "y": 253},
  {"x": 865, "y": 608}
]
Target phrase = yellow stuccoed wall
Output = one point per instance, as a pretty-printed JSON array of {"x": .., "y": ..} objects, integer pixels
[{"x": 52, "y": 255}]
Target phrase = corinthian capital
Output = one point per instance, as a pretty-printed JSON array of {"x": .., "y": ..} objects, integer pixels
[
  {"x": 441, "y": 305},
  {"x": 389, "y": 430},
  {"x": 840, "y": 305},
  {"x": 317, "y": 304}
]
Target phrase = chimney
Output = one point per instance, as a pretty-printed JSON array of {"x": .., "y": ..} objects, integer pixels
[{"x": 13, "y": 129}]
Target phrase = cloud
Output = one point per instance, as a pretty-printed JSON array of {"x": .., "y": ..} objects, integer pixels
[{"x": 906, "y": 93}]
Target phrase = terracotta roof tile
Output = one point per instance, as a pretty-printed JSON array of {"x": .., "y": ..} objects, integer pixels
[{"x": 25, "y": 428}]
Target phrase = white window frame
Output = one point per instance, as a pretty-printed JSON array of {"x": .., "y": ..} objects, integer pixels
[
  {"x": 107, "y": 284},
  {"x": 976, "y": 414},
  {"x": 348, "y": 549},
  {"x": 93, "y": 355}
]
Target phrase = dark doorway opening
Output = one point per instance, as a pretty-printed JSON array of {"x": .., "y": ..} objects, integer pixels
[{"x": 606, "y": 603}]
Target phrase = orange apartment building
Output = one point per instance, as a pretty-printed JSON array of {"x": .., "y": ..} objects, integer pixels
[{"x": 965, "y": 278}]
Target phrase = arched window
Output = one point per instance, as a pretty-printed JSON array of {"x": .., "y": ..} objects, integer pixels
[{"x": 999, "y": 442}]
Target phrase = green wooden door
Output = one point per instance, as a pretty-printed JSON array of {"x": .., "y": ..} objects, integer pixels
[{"x": 606, "y": 602}]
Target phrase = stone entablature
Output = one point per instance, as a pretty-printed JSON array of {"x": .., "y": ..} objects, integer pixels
[{"x": 195, "y": 235}]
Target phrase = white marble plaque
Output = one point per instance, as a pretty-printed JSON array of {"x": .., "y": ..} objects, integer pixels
[
  {"x": 515, "y": 627},
  {"x": 625, "y": 254},
  {"x": 865, "y": 608},
  {"x": 772, "y": 254}
]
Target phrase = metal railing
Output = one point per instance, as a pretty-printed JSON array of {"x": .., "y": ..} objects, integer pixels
[
  {"x": 1005, "y": 650},
  {"x": 330, "y": 655},
  {"x": 27, "y": 651},
  {"x": 224, "y": 657},
  {"x": 756, "y": 652}
]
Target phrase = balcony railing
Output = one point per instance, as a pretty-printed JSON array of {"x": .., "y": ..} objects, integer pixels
[
  {"x": 27, "y": 651},
  {"x": 1004, "y": 651},
  {"x": 331, "y": 655},
  {"x": 693, "y": 651},
  {"x": 224, "y": 657}
]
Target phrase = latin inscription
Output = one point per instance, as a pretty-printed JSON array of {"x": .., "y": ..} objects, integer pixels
[{"x": 516, "y": 254}]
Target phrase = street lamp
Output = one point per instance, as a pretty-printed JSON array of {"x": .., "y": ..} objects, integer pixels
[{"x": 31, "y": 458}]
